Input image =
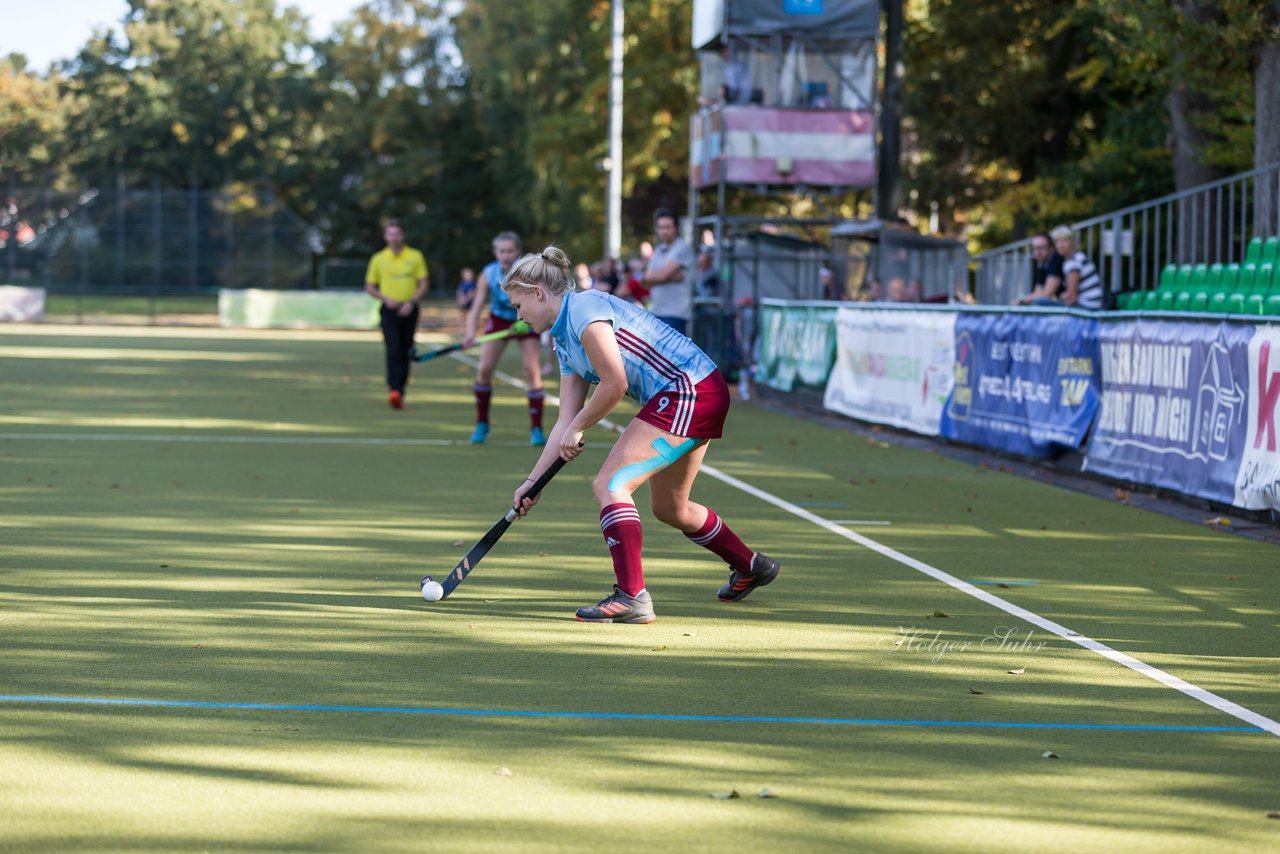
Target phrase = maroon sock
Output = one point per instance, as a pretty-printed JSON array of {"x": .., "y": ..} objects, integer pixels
[
  {"x": 535, "y": 407},
  {"x": 624, "y": 537},
  {"x": 483, "y": 394},
  {"x": 715, "y": 536}
]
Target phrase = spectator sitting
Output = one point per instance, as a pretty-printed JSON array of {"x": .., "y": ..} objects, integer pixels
[
  {"x": 598, "y": 280},
  {"x": 613, "y": 274},
  {"x": 1046, "y": 276},
  {"x": 914, "y": 291},
  {"x": 635, "y": 289},
  {"x": 583, "y": 274},
  {"x": 897, "y": 289},
  {"x": 827, "y": 284},
  {"x": 1083, "y": 285},
  {"x": 873, "y": 293}
]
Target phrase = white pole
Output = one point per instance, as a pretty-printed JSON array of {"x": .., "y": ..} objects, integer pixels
[{"x": 613, "y": 207}]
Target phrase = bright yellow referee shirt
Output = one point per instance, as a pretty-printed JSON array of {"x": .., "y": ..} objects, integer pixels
[{"x": 397, "y": 275}]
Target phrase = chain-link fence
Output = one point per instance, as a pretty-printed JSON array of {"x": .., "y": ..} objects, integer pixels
[{"x": 151, "y": 240}]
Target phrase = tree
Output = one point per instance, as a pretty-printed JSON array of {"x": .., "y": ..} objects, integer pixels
[
  {"x": 1207, "y": 60},
  {"x": 1007, "y": 117},
  {"x": 32, "y": 115},
  {"x": 190, "y": 92},
  {"x": 401, "y": 138},
  {"x": 539, "y": 77},
  {"x": 1267, "y": 113}
]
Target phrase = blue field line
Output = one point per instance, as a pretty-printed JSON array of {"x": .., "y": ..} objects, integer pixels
[{"x": 618, "y": 716}]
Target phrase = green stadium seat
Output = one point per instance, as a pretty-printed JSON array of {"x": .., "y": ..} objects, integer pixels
[
  {"x": 1214, "y": 278},
  {"x": 1246, "y": 286},
  {"x": 1265, "y": 289},
  {"x": 1253, "y": 254},
  {"x": 1168, "y": 276},
  {"x": 1248, "y": 277},
  {"x": 1235, "y": 303},
  {"x": 1150, "y": 301},
  {"x": 1272, "y": 305},
  {"x": 1165, "y": 300},
  {"x": 1182, "y": 302},
  {"x": 1182, "y": 279},
  {"x": 1230, "y": 276},
  {"x": 1200, "y": 276},
  {"x": 1218, "y": 302},
  {"x": 1124, "y": 299},
  {"x": 1271, "y": 250},
  {"x": 1266, "y": 279},
  {"x": 1199, "y": 300}
]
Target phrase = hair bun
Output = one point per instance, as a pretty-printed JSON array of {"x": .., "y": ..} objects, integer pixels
[{"x": 553, "y": 255}]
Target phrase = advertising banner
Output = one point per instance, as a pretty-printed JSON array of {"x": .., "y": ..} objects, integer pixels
[
  {"x": 266, "y": 309},
  {"x": 21, "y": 305},
  {"x": 893, "y": 367},
  {"x": 1174, "y": 405},
  {"x": 1258, "y": 480},
  {"x": 797, "y": 344},
  {"x": 1024, "y": 383}
]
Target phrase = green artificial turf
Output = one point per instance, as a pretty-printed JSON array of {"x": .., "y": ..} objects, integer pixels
[{"x": 164, "y": 556}]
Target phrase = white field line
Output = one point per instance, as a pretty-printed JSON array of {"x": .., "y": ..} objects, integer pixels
[{"x": 1167, "y": 679}]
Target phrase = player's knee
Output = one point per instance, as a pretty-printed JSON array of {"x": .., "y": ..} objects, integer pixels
[
  {"x": 606, "y": 491},
  {"x": 670, "y": 512}
]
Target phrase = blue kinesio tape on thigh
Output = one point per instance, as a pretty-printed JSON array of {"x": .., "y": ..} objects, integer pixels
[{"x": 667, "y": 454}]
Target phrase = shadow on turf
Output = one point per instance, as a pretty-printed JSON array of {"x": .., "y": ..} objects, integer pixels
[{"x": 889, "y": 787}]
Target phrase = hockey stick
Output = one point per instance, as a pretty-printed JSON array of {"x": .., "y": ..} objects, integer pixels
[
  {"x": 519, "y": 328},
  {"x": 489, "y": 540}
]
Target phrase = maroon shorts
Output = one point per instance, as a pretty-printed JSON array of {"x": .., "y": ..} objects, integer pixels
[
  {"x": 498, "y": 324},
  {"x": 699, "y": 415}
]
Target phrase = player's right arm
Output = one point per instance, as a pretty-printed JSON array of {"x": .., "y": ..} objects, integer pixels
[
  {"x": 573, "y": 395},
  {"x": 478, "y": 299}
]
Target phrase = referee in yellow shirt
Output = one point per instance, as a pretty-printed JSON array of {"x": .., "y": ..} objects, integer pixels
[{"x": 397, "y": 278}]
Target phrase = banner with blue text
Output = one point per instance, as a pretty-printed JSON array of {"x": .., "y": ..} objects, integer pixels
[{"x": 1024, "y": 383}]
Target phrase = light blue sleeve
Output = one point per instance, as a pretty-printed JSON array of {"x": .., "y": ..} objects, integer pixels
[
  {"x": 589, "y": 307},
  {"x": 565, "y": 370}
]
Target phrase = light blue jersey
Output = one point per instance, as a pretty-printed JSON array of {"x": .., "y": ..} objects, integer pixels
[
  {"x": 655, "y": 356},
  {"x": 499, "y": 305}
]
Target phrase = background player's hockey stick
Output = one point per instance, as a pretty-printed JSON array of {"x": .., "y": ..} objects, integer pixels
[{"x": 518, "y": 329}]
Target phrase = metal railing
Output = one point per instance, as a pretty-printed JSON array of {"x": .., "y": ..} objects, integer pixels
[{"x": 1209, "y": 224}]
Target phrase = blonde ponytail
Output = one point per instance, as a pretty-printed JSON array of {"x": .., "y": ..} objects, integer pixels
[{"x": 549, "y": 268}]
